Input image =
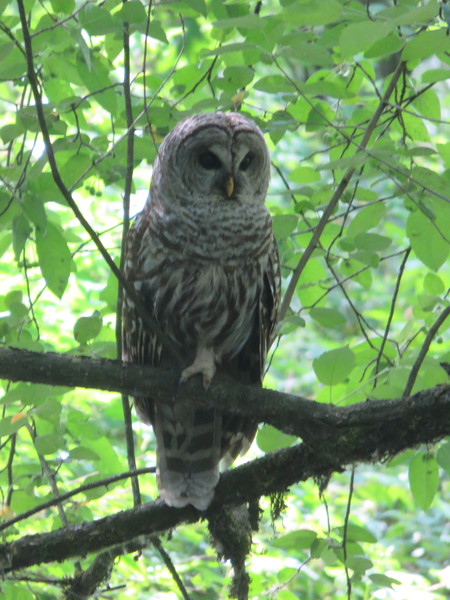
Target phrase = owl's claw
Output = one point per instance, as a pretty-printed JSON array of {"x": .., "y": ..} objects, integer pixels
[{"x": 203, "y": 364}]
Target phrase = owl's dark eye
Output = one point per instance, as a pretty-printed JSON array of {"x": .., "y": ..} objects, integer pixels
[
  {"x": 209, "y": 161},
  {"x": 246, "y": 161}
]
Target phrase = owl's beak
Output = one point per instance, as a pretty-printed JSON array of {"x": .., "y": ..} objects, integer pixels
[{"x": 229, "y": 185}]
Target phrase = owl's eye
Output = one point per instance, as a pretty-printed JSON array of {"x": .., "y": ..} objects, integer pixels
[
  {"x": 246, "y": 161},
  {"x": 209, "y": 161}
]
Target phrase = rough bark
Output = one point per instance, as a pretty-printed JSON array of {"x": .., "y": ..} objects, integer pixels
[{"x": 333, "y": 438}]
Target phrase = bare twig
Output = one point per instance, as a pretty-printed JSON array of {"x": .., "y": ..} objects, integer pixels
[
  {"x": 391, "y": 314},
  {"x": 149, "y": 321},
  {"x": 125, "y": 227},
  {"x": 79, "y": 490},
  {"x": 423, "y": 351},
  {"x": 344, "y": 536},
  {"x": 338, "y": 193}
]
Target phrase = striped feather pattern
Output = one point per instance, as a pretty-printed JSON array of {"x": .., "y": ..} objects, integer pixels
[{"x": 207, "y": 267}]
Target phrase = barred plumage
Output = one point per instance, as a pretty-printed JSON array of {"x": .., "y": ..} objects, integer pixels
[{"x": 203, "y": 258}]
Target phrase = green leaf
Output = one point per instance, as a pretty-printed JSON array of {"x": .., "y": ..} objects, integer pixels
[
  {"x": 334, "y": 366},
  {"x": 425, "y": 44},
  {"x": 64, "y": 6},
  {"x": 238, "y": 75},
  {"x": 12, "y": 65},
  {"x": 87, "y": 328},
  {"x": 10, "y": 425},
  {"x": 270, "y": 439},
  {"x": 96, "y": 77},
  {"x": 419, "y": 15},
  {"x": 274, "y": 83},
  {"x": 156, "y": 31},
  {"x": 433, "y": 284},
  {"x": 423, "y": 479},
  {"x": 443, "y": 457},
  {"x": 312, "y": 13},
  {"x": 328, "y": 317},
  {"x": 372, "y": 242},
  {"x": 359, "y": 564},
  {"x": 366, "y": 257},
  {"x": 97, "y": 20},
  {"x": 356, "y": 533},
  {"x": 291, "y": 323},
  {"x": 382, "y": 580},
  {"x": 55, "y": 259},
  {"x": 284, "y": 225},
  {"x": 358, "y": 37},
  {"x": 34, "y": 209},
  {"x": 83, "y": 453},
  {"x": 132, "y": 12},
  {"x": 21, "y": 232},
  {"x": 426, "y": 241},
  {"x": 74, "y": 168},
  {"x": 244, "y": 22},
  {"x": 433, "y": 75},
  {"x": 318, "y": 546},
  {"x": 48, "y": 443},
  {"x": 11, "y": 132},
  {"x": 304, "y": 175},
  {"x": 366, "y": 219},
  {"x": 296, "y": 540}
]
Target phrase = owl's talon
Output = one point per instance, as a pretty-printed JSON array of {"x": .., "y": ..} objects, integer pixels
[
  {"x": 204, "y": 365},
  {"x": 206, "y": 380}
]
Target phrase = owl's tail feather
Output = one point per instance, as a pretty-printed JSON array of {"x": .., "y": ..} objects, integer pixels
[{"x": 188, "y": 449}]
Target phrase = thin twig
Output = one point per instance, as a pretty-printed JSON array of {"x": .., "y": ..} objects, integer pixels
[
  {"x": 125, "y": 227},
  {"x": 391, "y": 314},
  {"x": 79, "y": 490},
  {"x": 338, "y": 193},
  {"x": 423, "y": 351},
  {"x": 344, "y": 537},
  {"x": 147, "y": 318}
]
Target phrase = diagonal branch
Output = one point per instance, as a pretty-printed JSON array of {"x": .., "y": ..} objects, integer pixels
[
  {"x": 148, "y": 319},
  {"x": 339, "y": 189}
]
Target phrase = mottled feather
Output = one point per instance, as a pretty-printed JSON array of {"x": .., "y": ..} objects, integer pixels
[{"x": 203, "y": 258}]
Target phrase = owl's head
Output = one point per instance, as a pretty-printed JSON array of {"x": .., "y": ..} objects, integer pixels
[{"x": 212, "y": 158}]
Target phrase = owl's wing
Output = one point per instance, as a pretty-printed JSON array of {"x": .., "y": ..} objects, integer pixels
[
  {"x": 140, "y": 345},
  {"x": 248, "y": 366}
]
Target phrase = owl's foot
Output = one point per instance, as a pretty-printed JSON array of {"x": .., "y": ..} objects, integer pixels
[{"x": 204, "y": 364}]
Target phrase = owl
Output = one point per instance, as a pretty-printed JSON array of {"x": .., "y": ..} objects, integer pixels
[{"x": 203, "y": 259}]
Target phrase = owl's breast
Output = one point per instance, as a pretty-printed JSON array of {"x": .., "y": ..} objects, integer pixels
[
  {"x": 204, "y": 276},
  {"x": 212, "y": 305}
]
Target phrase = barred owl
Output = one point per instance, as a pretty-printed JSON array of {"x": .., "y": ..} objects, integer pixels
[{"x": 202, "y": 257}]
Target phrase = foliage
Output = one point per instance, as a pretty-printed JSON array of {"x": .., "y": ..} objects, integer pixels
[{"x": 367, "y": 305}]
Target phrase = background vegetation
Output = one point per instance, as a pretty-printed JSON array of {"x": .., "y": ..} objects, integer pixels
[{"x": 354, "y": 100}]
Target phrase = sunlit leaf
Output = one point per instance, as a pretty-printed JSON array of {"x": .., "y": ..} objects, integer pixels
[
  {"x": 443, "y": 457},
  {"x": 328, "y": 317},
  {"x": 382, "y": 580},
  {"x": 423, "y": 479},
  {"x": 270, "y": 439},
  {"x": 87, "y": 328},
  {"x": 334, "y": 366},
  {"x": 49, "y": 443},
  {"x": 427, "y": 241},
  {"x": 302, "y": 538},
  {"x": 358, "y": 37},
  {"x": 55, "y": 259}
]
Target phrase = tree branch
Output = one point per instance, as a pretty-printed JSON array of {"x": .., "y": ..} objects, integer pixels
[
  {"x": 315, "y": 423},
  {"x": 367, "y": 432},
  {"x": 334, "y": 437}
]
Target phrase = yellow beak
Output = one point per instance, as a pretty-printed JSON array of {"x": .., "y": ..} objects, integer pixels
[{"x": 229, "y": 185}]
